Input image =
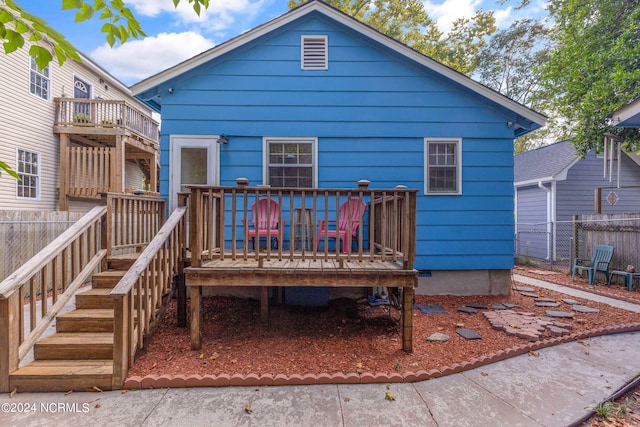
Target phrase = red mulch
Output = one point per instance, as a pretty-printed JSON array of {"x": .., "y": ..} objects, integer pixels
[{"x": 345, "y": 337}]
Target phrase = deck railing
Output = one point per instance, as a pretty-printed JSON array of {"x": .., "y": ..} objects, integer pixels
[
  {"x": 91, "y": 171},
  {"x": 132, "y": 221},
  {"x": 59, "y": 270},
  {"x": 105, "y": 114},
  {"x": 138, "y": 295},
  {"x": 220, "y": 224}
]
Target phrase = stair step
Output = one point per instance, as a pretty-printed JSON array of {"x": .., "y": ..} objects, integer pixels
[
  {"x": 62, "y": 375},
  {"x": 94, "y": 298},
  {"x": 86, "y": 320},
  {"x": 75, "y": 345},
  {"x": 122, "y": 262},
  {"x": 107, "y": 279}
]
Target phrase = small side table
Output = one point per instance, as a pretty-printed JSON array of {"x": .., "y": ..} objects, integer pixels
[
  {"x": 303, "y": 230},
  {"x": 628, "y": 277}
]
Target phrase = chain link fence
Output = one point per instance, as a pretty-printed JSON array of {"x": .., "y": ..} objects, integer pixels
[
  {"x": 24, "y": 233},
  {"x": 554, "y": 245}
]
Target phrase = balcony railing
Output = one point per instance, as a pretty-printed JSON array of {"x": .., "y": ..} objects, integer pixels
[
  {"x": 222, "y": 224},
  {"x": 107, "y": 114}
]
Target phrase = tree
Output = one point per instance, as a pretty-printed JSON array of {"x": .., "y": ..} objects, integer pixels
[
  {"x": 16, "y": 25},
  {"x": 408, "y": 22},
  {"x": 509, "y": 64},
  {"x": 594, "y": 68},
  {"x": 119, "y": 25}
]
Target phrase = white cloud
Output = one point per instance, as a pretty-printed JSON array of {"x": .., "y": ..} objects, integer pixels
[
  {"x": 138, "y": 59},
  {"x": 220, "y": 14},
  {"x": 448, "y": 11}
]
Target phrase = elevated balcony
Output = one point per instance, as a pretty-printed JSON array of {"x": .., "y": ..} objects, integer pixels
[{"x": 97, "y": 138}]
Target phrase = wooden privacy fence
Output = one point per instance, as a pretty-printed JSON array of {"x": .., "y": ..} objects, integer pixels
[
  {"x": 220, "y": 224},
  {"x": 72, "y": 257},
  {"x": 622, "y": 231},
  {"x": 138, "y": 295},
  {"x": 105, "y": 114}
]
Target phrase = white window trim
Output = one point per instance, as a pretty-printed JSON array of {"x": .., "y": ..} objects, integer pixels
[
  {"x": 192, "y": 141},
  {"x": 85, "y": 80},
  {"x": 458, "y": 142},
  {"x": 49, "y": 97},
  {"x": 265, "y": 155},
  {"x": 38, "y": 176},
  {"x": 326, "y": 51}
]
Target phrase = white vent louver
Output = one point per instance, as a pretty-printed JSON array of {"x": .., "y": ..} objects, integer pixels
[{"x": 315, "y": 53}]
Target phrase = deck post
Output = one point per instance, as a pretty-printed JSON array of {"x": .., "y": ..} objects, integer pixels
[
  {"x": 196, "y": 317},
  {"x": 63, "y": 187},
  {"x": 121, "y": 340},
  {"x": 407, "y": 319},
  {"x": 181, "y": 296},
  {"x": 9, "y": 338}
]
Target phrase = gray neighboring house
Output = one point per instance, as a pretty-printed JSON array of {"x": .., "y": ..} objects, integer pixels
[{"x": 552, "y": 184}]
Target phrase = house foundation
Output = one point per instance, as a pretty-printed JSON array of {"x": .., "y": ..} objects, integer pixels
[{"x": 465, "y": 282}]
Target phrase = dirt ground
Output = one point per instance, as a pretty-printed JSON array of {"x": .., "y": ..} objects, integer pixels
[{"x": 349, "y": 336}]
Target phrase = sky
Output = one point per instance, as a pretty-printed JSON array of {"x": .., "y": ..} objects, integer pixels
[{"x": 177, "y": 34}]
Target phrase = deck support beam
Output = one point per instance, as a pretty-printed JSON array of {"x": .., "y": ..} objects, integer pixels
[
  {"x": 407, "y": 320},
  {"x": 63, "y": 185},
  {"x": 9, "y": 338},
  {"x": 196, "y": 317},
  {"x": 181, "y": 296}
]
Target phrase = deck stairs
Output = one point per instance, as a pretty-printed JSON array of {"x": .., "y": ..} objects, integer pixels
[{"x": 79, "y": 355}]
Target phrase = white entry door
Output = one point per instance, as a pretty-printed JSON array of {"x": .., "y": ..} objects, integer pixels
[{"x": 194, "y": 161}]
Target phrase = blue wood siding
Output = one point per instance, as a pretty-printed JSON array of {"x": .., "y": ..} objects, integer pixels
[{"x": 370, "y": 111}]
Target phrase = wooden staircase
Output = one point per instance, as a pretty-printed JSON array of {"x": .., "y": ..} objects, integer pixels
[{"x": 79, "y": 356}]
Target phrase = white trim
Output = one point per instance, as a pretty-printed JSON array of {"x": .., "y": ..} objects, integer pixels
[
  {"x": 49, "y": 97},
  {"x": 314, "y": 147},
  {"x": 38, "y": 175},
  {"x": 354, "y": 24},
  {"x": 83, "y": 80},
  {"x": 626, "y": 112},
  {"x": 458, "y": 142},
  {"x": 303, "y": 44},
  {"x": 176, "y": 142}
]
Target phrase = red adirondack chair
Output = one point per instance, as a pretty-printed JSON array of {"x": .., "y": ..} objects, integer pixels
[
  {"x": 265, "y": 221},
  {"x": 351, "y": 211}
]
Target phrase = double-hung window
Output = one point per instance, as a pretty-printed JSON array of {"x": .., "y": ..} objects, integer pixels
[
  {"x": 39, "y": 80},
  {"x": 28, "y": 168},
  {"x": 290, "y": 162},
  {"x": 443, "y": 165}
]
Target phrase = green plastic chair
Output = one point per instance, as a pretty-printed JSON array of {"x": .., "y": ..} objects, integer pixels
[{"x": 600, "y": 261}]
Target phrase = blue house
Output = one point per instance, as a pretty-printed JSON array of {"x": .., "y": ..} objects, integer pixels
[{"x": 316, "y": 99}]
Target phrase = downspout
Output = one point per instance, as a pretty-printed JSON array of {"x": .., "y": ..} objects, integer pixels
[{"x": 549, "y": 215}]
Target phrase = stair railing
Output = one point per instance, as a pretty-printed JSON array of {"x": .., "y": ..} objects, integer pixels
[
  {"x": 57, "y": 270},
  {"x": 137, "y": 298}
]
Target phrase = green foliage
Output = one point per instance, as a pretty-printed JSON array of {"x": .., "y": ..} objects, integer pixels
[
  {"x": 594, "y": 68},
  {"x": 408, "y": 22},
  {"x": 5, "y": 167},
  {"x": 119, "y": 25},
  {"x": 509, "y": 64}
]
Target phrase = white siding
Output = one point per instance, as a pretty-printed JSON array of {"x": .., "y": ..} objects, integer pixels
[{"x": 26, "y": 121}]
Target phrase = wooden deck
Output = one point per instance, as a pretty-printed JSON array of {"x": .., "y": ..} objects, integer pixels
[
  {"x": 300, "y": 254},
  {"x": 265, "y": 273}
]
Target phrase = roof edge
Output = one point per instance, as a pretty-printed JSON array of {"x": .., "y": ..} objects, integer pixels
[{"x": 353, "y": 23}]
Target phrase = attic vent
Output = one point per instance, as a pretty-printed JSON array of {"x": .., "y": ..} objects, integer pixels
[{"x": 315, "y": 53}]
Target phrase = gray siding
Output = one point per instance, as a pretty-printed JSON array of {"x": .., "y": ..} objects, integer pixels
[
  {"x": 531, "y": 236},
  {"x": 575, "y": 194}
]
